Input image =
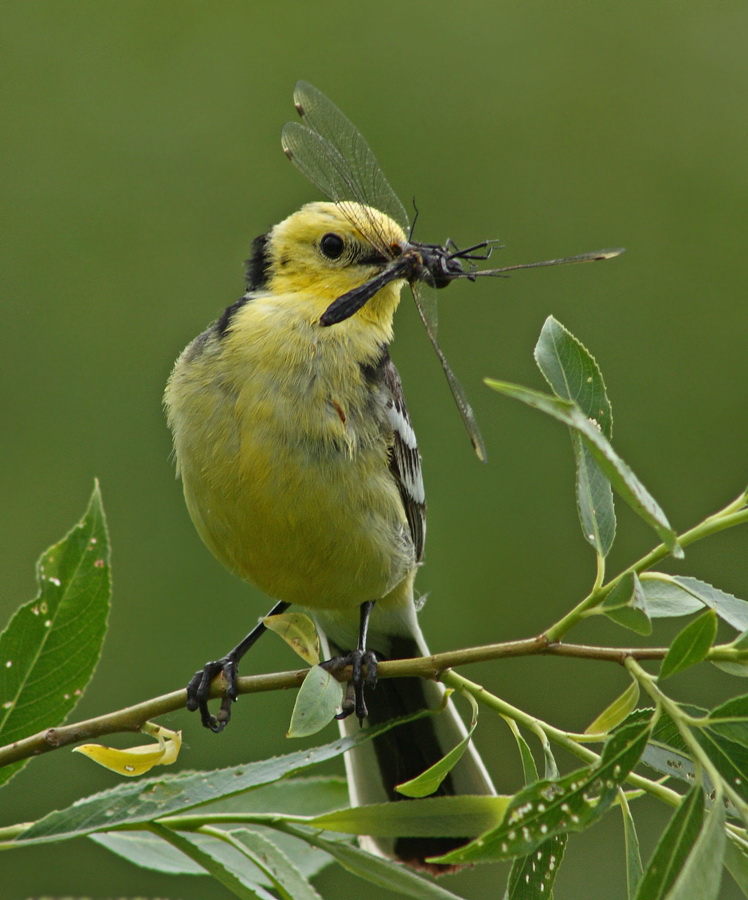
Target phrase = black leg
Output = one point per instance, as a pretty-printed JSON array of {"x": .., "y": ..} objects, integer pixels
[
  {"x": 198, "y": 690},
  {"x": 363, "y": 665}
]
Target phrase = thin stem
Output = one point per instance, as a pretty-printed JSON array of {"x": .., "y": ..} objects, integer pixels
[
  {"x": 649, "y": 683},
  {"x": 562, "y": 738},
  {"x": 133, "y": 718},
  {"x": 735, "y": 513}
]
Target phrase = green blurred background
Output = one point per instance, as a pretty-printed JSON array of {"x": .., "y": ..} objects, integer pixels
[{"x": 142, "y": 155}]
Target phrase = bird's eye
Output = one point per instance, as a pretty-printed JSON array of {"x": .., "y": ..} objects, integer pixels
[{"x": 332, "y": 246}]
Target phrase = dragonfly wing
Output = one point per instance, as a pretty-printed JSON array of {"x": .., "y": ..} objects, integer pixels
[
  {"x": 361, "y": 177},
  {"x": 325, "y": 166},
  {"x": 458, "y": 392}
]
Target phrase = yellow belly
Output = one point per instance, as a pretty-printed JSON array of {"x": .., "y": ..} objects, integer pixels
[{"x": 307, "y": 519}]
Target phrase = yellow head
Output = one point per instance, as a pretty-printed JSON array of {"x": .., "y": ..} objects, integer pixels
[{"x": 319, "y": 252}]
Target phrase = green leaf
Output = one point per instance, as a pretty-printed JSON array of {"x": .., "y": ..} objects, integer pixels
[
  {"x": 298, "y": 631},
  {"x": 631, "y": 841},
  {"x": 529, "y": 768},
  {"x": 432, "y": 817},
  {"x": 691, "y": 645},
  {"x": 293, "y": 796},
  {"x": 730, "y": 759},
  {"x": 665, "y": 598},
  {"x": 286, "y": 879},
  {"x": 731, "y": 609},
  {"x": 573, "y": 374},
  {"x": 399, "y": 879},
  {"x": 736, "y": 860},
  {"x": 667, "y": 761},
  {"x": 614, "y": 714},
  {"x": 626, "y": 605},
  {"x": 428, "y": 782},
  {"x": 730, "y": 720},
  {"x": 146, "y": 799},
  {"x": 531, "y": 877},
  {"x": 595, "y": 504},
  {"x": 237, "y": 882},
  {"x": 549, "y": 808},
  {"x": 623, "y": 480},
  {"x": 701, "y": 874},
  {"x": 680, "y": 595},
  {"x": 673, "y": 848},
  {"x": 50, "y": 648},
  {"x": 318, "y": 697},
  {"x": 738, "y": 669}
]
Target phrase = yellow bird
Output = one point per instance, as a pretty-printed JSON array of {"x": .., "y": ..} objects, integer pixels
[{"x": 301, "y": 473}]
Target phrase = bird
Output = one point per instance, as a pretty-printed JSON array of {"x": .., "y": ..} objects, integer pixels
[{"x": 301, "y": 472}]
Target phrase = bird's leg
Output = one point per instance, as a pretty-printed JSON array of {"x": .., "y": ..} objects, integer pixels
[
  {"x": 198, "y": 690},
  {"x": 363, "y": 665}
]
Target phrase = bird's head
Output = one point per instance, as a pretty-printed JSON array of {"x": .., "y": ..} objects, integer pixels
[{"x": 323, "y": 251}]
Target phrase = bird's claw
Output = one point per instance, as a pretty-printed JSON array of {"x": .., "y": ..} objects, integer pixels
[
  {"x": 199, "y": 690},
  {"x": 363, "y": 665}
]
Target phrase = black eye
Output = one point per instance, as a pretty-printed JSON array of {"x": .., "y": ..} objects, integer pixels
[{"x": 332, "y": 246}]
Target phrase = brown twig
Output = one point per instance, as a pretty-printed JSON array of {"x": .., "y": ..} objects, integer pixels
[{"x": 132, "y": 718}]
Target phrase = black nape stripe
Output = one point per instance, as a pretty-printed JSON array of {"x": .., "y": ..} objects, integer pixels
[
  {"x": 373, "y": 372},
  {"x": 222, "y": 325},
  {"x": 258, "y": 264}
]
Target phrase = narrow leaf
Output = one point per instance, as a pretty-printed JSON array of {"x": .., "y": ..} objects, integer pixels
[
  {"x": 631, "y": 841},
  {"x": 623, "y": 480},
  {"x": 730, "y": 720},
  {"x": 401, "y": 880},
  {"x": 151, "y": 852},
  {"x": 237, "y": 882},
  {"x": 318, "y": 697},
  {"x": 731, "y": 609},
  {"x": 142, "y": 801},
  {"x": 428, "y": 782},
  {"x": 665, "y": 598},
  {"x": 298, "y": 631},
  {"x": 292, "y": 796},
  {"x": 673, "y": 847},
  {"x": 432, "y": 817},
  {"x": 730, "y": 759},
  {"x": 617, "y": 711},
  {"x": 595, "y": 504},
  {"x": 287, "y": 880},
  {"x": 531, "y": 877},
  {"x": 736, "y": 861},
  {"x": 573, "y": 374},
  {"x": 667, "y": 761},
  {"x": 529, "y": 768},
  {"x": 680, "y": 595},
  {"x": 691, "y": 645},
  {"x": 548, "y": 808},
  {"x": 626, "y": 604},
  {"x": 50, "y": 648},
  {"x": 701, "y": 874}
]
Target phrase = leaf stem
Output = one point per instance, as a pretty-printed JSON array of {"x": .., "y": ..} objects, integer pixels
[
  {"x": 562, "y": 738},
  {"x": 649, "y": 683},
  {"x": 735, "y": 513}
]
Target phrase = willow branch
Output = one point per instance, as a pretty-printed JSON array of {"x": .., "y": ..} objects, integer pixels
[{"x": 132, "y": 718}]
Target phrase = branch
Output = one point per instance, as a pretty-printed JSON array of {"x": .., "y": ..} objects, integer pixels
[{"x": 132, "y": 718}]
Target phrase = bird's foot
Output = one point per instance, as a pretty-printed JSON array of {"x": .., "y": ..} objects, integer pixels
[
  {"x": 363, "y": 665},
  {"x": 198, "y": 692}
]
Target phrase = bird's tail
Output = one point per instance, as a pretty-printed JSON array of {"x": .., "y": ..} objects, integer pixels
[{"x": 376, "y": 767}]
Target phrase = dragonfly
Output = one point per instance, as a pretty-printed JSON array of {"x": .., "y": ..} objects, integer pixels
[{"x": 333, "y": 154}]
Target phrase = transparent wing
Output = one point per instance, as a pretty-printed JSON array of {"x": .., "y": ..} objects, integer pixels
[
  {"x": 332, "y": 153},
  {"x": 427, "y": 311}
]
